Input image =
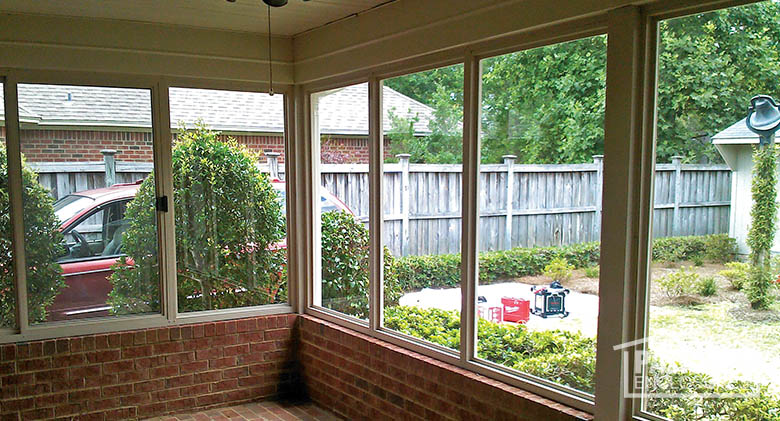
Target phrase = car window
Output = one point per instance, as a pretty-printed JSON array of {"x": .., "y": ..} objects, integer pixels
[
  {"x": 70, "y": 206},
  {"x": 326, "y": 205},
  {"x": 99, "y": 234}
]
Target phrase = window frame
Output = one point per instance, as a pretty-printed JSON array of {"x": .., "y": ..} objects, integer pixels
[{"x": 160, "y": 112}]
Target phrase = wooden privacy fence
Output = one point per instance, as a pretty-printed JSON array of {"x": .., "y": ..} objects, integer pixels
[
  {"x": 525, "y": 205},
  {"x": 520, "y": 205}
]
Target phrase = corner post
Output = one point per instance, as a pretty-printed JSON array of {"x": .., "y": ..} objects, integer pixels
[{"x": 677, "y": 221}]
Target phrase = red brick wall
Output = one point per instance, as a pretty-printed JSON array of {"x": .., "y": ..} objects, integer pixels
[
  {"x": 360, "y": 377},
  {"x": 85, "y": 145},
  {"x": 149, "y": 372}
]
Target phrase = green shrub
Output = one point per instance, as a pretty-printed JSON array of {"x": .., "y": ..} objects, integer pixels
[
  {"x": 698, "y": 261},
  {"x": 345, "y": 269},
  {"x": 228, "y": 220},
  {"x": 558, "y": 270},
  {"x": 592, "y": 271},
  {"x": 42, "y": 247},
  {"x": 760, "y": 287},
  {"x": 736, "y": 274},
  {"x": 570, "y": 359},
  {"x": 679, "y": 283},
  {"x": 717, "y": 248},
  {"x": 707, "y": 286}
]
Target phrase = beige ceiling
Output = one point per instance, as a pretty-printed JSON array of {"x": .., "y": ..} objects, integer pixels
[{"x": 244, "y": 15}]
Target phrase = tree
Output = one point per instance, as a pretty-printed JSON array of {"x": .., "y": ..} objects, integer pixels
[
  {"x": 345, "y": 270},
  {"x": 546, "y": 105},
  {"x": 42, "y": 246},
  {"x": 229, "y": 222}
]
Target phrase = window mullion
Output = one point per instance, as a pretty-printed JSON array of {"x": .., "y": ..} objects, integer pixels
[
  {"x": 375, "y": 178},
  {"x": 470, "y": 219},
  {"x": 621, "y": 250},
  {"x": 161, "y": 128},
  {"x": 13, "y": 148}
]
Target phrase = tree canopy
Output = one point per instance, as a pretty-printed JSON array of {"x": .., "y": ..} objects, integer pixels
[{"x": 546, "y": 105}]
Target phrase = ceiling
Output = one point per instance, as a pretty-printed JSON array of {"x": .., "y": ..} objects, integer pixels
[{"x": 243, "y": 15}]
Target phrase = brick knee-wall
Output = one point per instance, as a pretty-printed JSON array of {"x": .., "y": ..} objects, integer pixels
[
  {"x": 360, "y": 377},
  {"x": 149, "y": 372}
]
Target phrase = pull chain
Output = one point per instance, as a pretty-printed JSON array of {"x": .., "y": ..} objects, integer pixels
[{"x": 270, "y": 65}]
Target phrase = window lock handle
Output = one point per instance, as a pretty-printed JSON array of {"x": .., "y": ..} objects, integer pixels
[{"x": 162, "y": 204}]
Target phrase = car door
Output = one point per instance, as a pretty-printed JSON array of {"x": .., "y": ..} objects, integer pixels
[{"x": 93, "y": 244}]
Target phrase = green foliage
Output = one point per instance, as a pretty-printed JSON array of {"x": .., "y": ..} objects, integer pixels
[
  {"x": 228, "y": 223},
  {"x": 559, "y": 270},
  {"x": 345, "y": 266},
  {"x": 592, "y": 271},
  {"x": 546, "y": 105},
  {"x": 736, "y": 274},
  {"x": 42, "y": 246},
  {"x": 679, "y": 283},
  {"x": 570, "y": 359},
  {"x": 443, "y": 270},
  {"x": 717, "y": 248},
  {"x": 763, "y": 222},
  {"x": 707, "y": 286},
  {"x": 563, "y": 357},
  {"x": 691, "y": 404},
  {"x": 760, "y": 287}
]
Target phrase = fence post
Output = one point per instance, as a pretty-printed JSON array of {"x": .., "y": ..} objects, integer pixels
[
  {"x": 403, "y": 159},
  {"x": 676, "y": 222},
  {"x": 273, "y": 164},
  {"x": 509, "y": 161},
  {"x": 599, "y": 161},
  {"x": 110, "y": 163}
]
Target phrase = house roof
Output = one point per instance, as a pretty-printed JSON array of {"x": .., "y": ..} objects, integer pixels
[
  {"x": 736, "y": 134},
  {"x": 342, "y": 112}
]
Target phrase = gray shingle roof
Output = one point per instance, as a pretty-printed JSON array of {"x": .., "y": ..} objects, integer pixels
[
  {"x": 342, "y": 111},
  {"x": 736, "y": 134}
]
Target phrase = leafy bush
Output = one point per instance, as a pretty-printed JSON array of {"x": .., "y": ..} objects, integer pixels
[
  {"x": 228, "y": 223},
  {"x": 42, "y": 246},
  {"x": 691, "y": 404},
  {"x": 760, "y": 287},
  {"x": 570, "y": 359},
  {"x": 736, "y": 274},
  {"x": 717, "y": 248},
  {"x": 558, "y": 270},
  {"x": 592, "y": 271},
  {"x": 345, "y": 267},
  {"x": 707, "y": 286},
  {"x": 679, "y": 283},
  {"x": 443, "y": 270}
]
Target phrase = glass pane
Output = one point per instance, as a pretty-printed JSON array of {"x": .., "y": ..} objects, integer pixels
[
  {"x": 231, "y": 241},
  {"x": 340, "y": 119},
  {"x": 90, "y": 221},
  {"x": 423, "y": 114},
  {"x": 7, "y": 291},
  {"x": 540, "y": 198},
  {"x": 713, "y": 314}
]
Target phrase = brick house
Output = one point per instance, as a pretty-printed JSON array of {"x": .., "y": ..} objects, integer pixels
[{"x": 69, "y": 124}]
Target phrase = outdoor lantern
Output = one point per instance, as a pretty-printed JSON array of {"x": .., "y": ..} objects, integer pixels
[{"x": 763, "y": 118}]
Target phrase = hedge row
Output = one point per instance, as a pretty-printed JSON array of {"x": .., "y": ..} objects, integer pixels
[
  {"x": 443, "y": 270},
  {"x": 570, "y": 359}
]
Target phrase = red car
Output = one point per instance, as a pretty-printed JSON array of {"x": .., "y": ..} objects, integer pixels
[{"x": 93, "y": 222}]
